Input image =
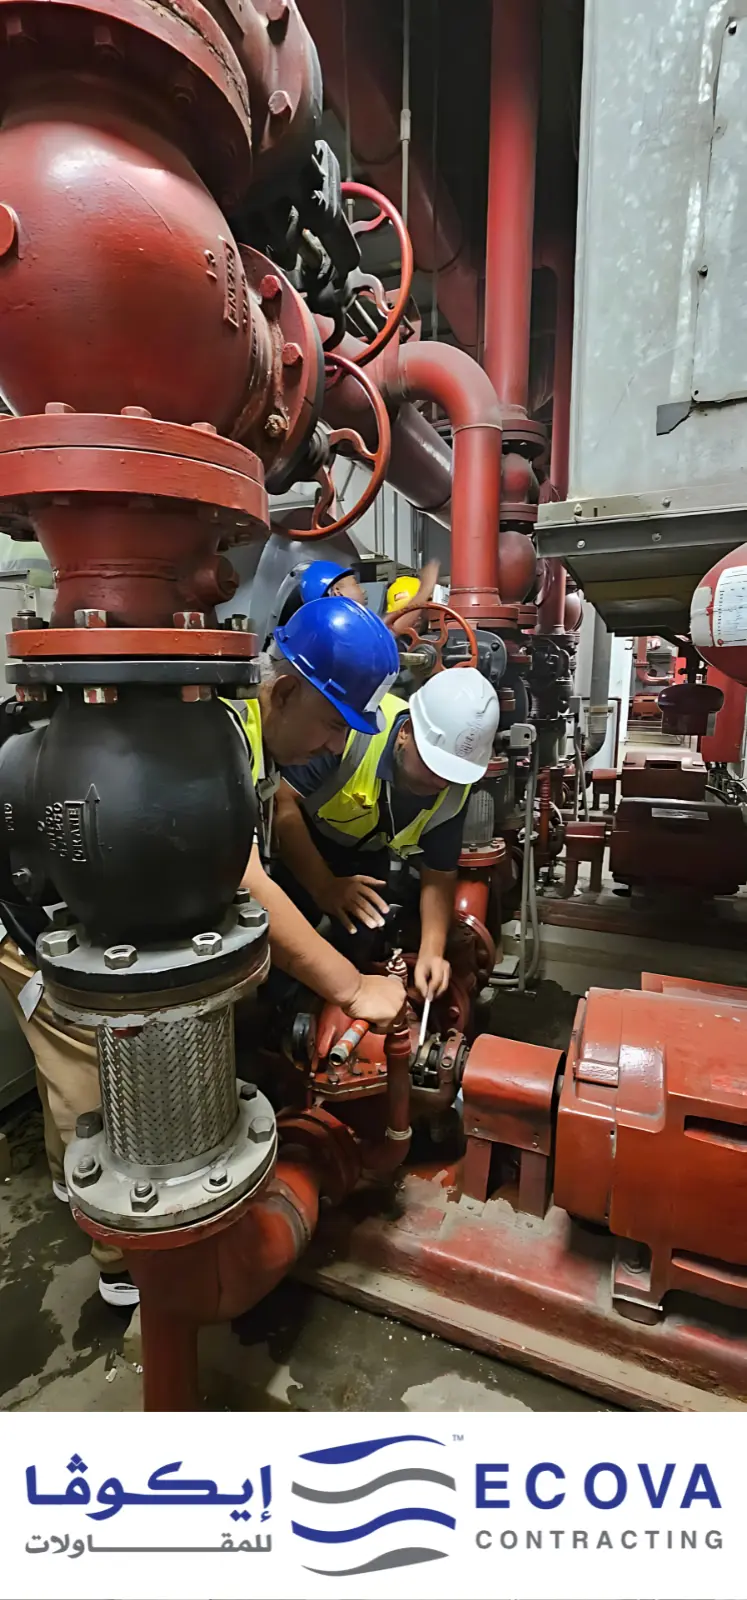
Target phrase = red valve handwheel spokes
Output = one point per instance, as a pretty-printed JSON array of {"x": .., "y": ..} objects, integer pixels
[
  {"x": 378, "y": 458},
  {"x": 448, "y": 618},
  {"x": 385, "y": 210}
]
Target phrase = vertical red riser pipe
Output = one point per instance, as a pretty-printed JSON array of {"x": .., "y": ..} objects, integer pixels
[{"x": 514, "y": 104}]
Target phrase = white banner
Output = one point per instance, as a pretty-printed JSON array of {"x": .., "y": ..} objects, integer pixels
[{"x": 286, "y": 1507}]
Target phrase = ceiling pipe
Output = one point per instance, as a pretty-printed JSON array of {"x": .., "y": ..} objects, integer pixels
[
  {"x": 434, "y": 224},
  {"x": 514, "y": 111}
]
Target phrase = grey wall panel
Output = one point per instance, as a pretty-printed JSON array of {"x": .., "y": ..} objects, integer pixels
[{"x": 663, "y": 182}]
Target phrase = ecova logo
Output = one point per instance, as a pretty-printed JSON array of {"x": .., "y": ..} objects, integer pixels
[{"x": 373, "y": 1506}]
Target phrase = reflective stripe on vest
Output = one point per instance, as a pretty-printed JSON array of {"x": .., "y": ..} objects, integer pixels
[{"x": 346, "y": 806}]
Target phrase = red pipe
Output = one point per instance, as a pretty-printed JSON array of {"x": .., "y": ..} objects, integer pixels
[
  {"x": 170, "y": 1370},
  {"x": 223, "y": 1274},
  {"x": 543, "y": 831},
  {"x": 452, "y": 379},
  {"x": 514, "y": 102},
  {"x": 215, "y": 1279},
  {"x": 382, "y": 1159}
]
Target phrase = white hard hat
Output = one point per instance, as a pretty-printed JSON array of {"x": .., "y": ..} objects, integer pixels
[{"x": 454, "y": 720}]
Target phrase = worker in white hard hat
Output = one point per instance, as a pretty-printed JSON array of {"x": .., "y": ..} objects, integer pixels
[{"x": 399, "y": 793}]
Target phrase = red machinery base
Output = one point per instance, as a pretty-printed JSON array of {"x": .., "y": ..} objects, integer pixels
[{"x": 535, "y": 1292}]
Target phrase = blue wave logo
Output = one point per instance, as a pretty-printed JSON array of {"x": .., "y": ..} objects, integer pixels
[{"x": 393, "y": 1517}]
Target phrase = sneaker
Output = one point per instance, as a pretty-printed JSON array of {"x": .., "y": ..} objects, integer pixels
[
  {"x": 118, "y": 1289},
  {"x": 60, "y": 1191}
]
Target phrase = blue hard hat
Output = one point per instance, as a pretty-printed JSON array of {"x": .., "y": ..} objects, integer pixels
[
  {"x": 346, "y": 653},
  {"x": 319, "y": 577}
]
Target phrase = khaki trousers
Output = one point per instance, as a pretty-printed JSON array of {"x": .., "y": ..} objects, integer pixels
[{"x": 66, "y": 1074}]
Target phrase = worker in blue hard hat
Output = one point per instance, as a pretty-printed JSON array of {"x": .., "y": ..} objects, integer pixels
[
  {"x": 325, "y": 673},
  {"x": 323, "y": 578}
]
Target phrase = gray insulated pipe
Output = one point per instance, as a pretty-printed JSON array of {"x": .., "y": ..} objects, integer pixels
[{"x": 599, "y": 689}]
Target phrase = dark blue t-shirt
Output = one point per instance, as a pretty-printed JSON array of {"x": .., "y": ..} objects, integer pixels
[{"x": 440, "y": 848}]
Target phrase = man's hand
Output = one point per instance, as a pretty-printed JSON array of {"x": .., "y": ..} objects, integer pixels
[
  {"x": 432, "y": 974},
  {"x": 347, "y": 898},
  {"x": 377, "y": 1001}
]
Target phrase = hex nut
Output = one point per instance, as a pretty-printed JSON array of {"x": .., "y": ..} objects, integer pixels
[
  {"x": 120, "y": 956},
  {"x": 247, "y": 1091},
  {"x": 253, "y": 915},
  {"x": 87, "y": 1171},
  {"x": 207, "y": 944},
  {"x": 243, "y": 897},
  {"x": 261, "y": 1130},
  {"x": 276, "y": 425},
  {"x": 90, "y": 618},
  {"x": 218, "y": 1180},
  {"x": 270, "y": 286},
  {"x": 146, "y": 1198},
  {"x": 88, "y": 1125},
  {"x": 58, "y": 942}
]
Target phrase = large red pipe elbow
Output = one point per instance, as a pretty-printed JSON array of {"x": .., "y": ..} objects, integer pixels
[
  {"x": 455, "y": 383},
  {"x": 228, "y": 1271},
  {"x": 453, "y": 380},
  {"x": 216, "y": 1280},
  {"x": 224, "y": 1275}
]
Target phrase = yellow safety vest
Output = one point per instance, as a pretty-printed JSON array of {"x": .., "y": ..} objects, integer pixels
[
  {"x": 346, "y": 805},
  {"x": 248, "y": 716}
]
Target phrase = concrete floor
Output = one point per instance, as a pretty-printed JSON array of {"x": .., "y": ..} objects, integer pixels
[{"x": 61, "y": 1348}]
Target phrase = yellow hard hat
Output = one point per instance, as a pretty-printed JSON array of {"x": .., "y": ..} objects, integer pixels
[{"x": 401, "y": 593}]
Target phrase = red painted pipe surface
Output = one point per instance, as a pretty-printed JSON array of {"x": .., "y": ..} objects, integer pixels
[
  {"x": 373, "y": 90},
  {"x": 450, "y": 378},
  {"x": 472, "y": 896},
  {"x": 543, "y": 832},
  {"x": 514, "y": 101},
  {"x": 382, "y": 1159},
  {"x": 170, "y": 1370},
  {"x": 454, "y": 381},
  {"x": 223, "y": 1275},
  {"x": 421, "y": 461}
]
